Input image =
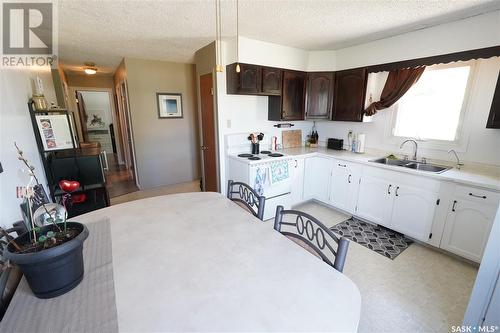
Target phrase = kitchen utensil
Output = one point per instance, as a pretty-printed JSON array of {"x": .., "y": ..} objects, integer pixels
[{"x": 291, "y": 138}]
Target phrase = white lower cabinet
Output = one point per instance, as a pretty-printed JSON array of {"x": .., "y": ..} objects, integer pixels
[
  {"x": 317, "y": 185},
  {"x": 468, "y": 224},
  {"x": 297, "y": 177},
  {"x": 401, "y": 202},
  {"x": 375, "y": 200},
  {"x": 344, "y": 185},
  {"x": 413, "y": 211}
]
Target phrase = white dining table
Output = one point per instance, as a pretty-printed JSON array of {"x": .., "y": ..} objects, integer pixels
[{"x": 199, "y": 262}]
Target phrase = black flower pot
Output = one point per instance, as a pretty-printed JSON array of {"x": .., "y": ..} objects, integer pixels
[{"x": 54, "y": 271}]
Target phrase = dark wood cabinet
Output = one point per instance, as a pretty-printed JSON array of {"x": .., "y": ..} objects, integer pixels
[
  {"x": 319, "y": 96},
  {"x": 494, "y": 117},
  {"x": 247, "y": 81},
  {"x": 291, "y": 104},
  {"x": 349, "y": 92},
  {"x": 271, "y": 81}
]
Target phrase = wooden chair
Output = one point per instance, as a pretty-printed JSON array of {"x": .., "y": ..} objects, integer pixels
[
  {"x": 315, "y": 235},
  {"x": 244, "y": 194}
]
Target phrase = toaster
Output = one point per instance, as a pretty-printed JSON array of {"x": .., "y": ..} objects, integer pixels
[{"x": 336, "y": 144}]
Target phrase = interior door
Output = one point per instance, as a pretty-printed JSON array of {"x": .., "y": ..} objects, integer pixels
[
  {"x": 413, "y": 211},
  {"x": 208, "y": 147}
]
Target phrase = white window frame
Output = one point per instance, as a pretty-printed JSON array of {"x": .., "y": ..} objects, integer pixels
[{"x": 462, "y": 135}]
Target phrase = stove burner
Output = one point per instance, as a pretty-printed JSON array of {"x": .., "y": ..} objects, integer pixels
[
  {"x": 266, "y": 152},
  {"x": 275, "y": 155},
  {"x": 254, "y": 158},
  {"x": 245, "y": 155}
]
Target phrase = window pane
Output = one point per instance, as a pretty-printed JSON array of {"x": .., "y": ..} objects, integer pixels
[{"x": 431, "y": 108}]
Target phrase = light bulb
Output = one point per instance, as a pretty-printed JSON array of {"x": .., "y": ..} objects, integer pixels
[
  {"x": 90, "y": 71},
  {"x": 238, "y": 69}
]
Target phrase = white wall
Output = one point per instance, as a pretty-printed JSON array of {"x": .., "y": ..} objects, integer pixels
[
  {"x": 16, "y": 87},
  {"x": 467, "y": 34}
]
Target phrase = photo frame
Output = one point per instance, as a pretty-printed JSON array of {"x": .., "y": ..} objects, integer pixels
[
  {"x": 169, "y": 105},
  {"x": 55, "y": 131}
]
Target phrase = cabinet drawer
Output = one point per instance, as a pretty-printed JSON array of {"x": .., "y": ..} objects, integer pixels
[{"x": 477, "y": 195}]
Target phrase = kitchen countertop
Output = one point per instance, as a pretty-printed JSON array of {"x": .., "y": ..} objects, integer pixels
[{"x": 486, "y": 178}]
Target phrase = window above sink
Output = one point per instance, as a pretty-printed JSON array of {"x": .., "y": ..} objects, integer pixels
[{"x": 433, "y": 110}]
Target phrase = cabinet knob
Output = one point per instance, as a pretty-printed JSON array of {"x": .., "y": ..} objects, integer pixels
[
  {"x": 477, "y": 196},
  {"x": 454, "y": 204},
  {"x": 349, "y": 179},
  {"x": 389, "y": 189}
]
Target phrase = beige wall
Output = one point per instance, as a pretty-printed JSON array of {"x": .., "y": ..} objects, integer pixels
[
  {"x": 91, "y": 81},
  {"x": 166, "y": 149}
]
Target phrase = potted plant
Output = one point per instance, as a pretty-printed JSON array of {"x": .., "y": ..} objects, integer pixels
[{"x": 50, "y": 256}]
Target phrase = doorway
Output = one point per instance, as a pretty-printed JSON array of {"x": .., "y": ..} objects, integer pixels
[
  {"x": 209, "y": 146},
  {"x": 100, "y": 123}
]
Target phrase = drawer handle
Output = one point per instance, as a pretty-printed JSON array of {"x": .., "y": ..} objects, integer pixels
[
  {"x": 397, "y": 189},
  {"x": 389, "y": 189},
  {"x": 454, "y": 204},
  {"x": 342, "y": 165},
  {"x": 349, "y": 179},
  {"x": 477, "y": 196}
]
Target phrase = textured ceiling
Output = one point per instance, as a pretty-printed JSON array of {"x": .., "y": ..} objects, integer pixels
[{"x": 106, "y": 31}]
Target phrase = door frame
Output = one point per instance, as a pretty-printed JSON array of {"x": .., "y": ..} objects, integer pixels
[
  {"x": 216, "y": 131},
  {"x": 72, "y": 106},
  {"x": 126, "y": 119}
]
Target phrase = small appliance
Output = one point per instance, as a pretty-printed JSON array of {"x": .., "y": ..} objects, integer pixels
[{"x": 336, "y": 144}]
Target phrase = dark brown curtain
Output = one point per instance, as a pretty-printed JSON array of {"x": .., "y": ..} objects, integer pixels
[{"x": 397, "y": 84}]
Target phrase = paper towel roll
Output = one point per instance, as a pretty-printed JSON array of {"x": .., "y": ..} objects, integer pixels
[{"x": 360, "y": 147}]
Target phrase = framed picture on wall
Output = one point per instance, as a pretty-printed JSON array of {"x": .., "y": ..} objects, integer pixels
[{"x": 169, "y": 105}]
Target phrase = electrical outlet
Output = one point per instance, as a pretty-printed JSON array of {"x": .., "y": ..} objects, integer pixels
[{"x": 349, "y": 132}]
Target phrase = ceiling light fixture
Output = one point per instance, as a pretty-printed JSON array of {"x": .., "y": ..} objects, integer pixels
[
  {"x": 218, "y": 38},
  {"x": 90, "y": 68},
  {"x": 238, "y": 69}
]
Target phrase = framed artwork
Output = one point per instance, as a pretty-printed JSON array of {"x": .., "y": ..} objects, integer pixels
[
  {"x": 169, "y": 105},
  {"x": 55, "y": 131}
]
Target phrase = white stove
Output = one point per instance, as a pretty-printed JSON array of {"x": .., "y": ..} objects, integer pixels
[{"x": 268, "y": 173}]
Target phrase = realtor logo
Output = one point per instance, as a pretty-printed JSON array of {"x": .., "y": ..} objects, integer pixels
[{"x": 27, "y": 28}]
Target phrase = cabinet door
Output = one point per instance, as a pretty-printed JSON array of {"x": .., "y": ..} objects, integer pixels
[
  {"x": 349, "y": 95},
  {"x": 319, "y": 95},
  {"x": 344, "y": 185},
  {"x": 467, "y": 228},
  {"x": 250, "y": 78},
  {"x": 297, "y": 181},
  {"x": 413, "y": 211},
  {"x": 375, "y": 200},
  {"x": 317, "y": 178},
  {"x": 271, "y": 81},
  {"x": 293, "y": 102}
]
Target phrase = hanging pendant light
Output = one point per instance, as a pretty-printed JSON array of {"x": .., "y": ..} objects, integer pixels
[
  {"x": 218, "y": 38},
  {"x": 238, "y": 69}
]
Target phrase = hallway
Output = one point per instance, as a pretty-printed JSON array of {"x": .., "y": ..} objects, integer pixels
[{"x": 119, "y": 180}]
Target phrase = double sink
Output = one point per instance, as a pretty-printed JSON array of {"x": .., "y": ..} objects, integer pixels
[{"x": 420, "y": 166}]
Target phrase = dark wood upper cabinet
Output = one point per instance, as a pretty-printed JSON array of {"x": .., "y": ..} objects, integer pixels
[
  {"x": 291, "y": 104},
  {"x": 494, "y": 117},
  {"x": 319, "y": 96},
  {"x": 271, "y": 81},
  {"x": 247, "y": 81},
  {"x": 349, "y": 92}
]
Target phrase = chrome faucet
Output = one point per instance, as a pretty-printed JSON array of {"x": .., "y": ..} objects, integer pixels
[
  {"x": 415, "y": 148},
  {"x": 459, "y": 164}
]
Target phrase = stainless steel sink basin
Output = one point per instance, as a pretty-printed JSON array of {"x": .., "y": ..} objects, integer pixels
[
  {"x": 389, "y": 161},
  {"x": 427, "y": 167}
]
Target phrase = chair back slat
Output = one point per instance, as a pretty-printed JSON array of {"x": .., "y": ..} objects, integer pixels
[
  {"x": 244, "y": 194},
  {"x": 314, "y": 234}
]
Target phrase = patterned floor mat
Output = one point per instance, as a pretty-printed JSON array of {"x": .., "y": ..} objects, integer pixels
[{"x": 384, "y": 241}]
